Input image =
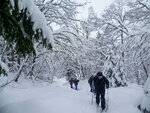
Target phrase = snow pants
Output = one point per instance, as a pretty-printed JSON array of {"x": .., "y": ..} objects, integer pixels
[
  {"x": 102, "y": 94},
  {"x": 76, "y": 87},
  {"x": 71, "y": 85}
]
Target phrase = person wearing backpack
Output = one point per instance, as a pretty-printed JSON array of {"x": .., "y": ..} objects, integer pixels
[
  {"x": 71, "y": 82},
  {"x": 91, "y": 83},
  {"x": 76, "y": 83},
  {"x": 100, "y": 82}
]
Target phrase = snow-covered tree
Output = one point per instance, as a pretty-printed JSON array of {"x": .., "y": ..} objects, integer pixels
[
  {"x": 59, "y": 12},
  {"x": 114, "y": 30},
  {"x": 137, "y": 45},
  {"x": 90, "y": 24},
  {"x": 22, "y": 25},
  {"x": 144, "y": 105}
]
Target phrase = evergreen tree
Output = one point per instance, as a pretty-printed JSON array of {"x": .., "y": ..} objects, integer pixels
[{"x": 16, "y": 27}]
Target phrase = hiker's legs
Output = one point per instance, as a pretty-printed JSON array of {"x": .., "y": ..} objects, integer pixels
[
  {"x": 71, "y": 85},
  {"x": 76, "y": 87},
  {"x": 97, "y": 98},
  {"x": 90, "y": 88},
  {"x": 103, "y": 100}
]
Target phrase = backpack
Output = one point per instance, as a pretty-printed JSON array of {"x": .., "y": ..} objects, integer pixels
[{"x": 93, "y": 86}]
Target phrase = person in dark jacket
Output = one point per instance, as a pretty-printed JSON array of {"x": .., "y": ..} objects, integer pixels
[
  {"x": 71, "y": 82},
  {"x": 76, "y": 83},
  {"x": 100, "y": 83},
  {"x": 91, "y": 83}
]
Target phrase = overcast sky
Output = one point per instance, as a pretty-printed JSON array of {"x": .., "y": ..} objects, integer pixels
[{"x": 98, "y": 6}]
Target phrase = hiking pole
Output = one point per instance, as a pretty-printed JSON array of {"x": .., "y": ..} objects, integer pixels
[
  {"x": 92, "y": 100},
  {"x": 107, "y": 99}
]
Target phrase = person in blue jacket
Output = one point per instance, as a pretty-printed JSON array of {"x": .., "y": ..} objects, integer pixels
[{"x": 76, "y": 83}]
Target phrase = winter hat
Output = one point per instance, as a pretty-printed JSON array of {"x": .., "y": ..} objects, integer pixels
[{"x": 99, "y": 74}]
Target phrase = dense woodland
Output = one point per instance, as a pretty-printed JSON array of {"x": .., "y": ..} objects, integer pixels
[
  {"x": 36, "y": 48},
  {"x": 43, "y": 39}
]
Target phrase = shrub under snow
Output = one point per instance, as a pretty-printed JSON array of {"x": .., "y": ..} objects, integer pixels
[{"x": 145, "y": 103}]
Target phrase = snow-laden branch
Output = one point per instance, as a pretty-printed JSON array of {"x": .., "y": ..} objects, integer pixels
[
  {"x": 37, "y": 17},
  {"x": 15, "y": 79},
  {"x": 144, "y": 5}
]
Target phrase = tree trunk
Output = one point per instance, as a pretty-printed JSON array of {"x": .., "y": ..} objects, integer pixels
[
  {"x": 20, "y": 70},
  {"x": 144, "y": 67}
]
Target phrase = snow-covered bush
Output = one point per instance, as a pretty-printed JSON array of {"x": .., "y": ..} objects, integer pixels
[{"x": 145, "y": 103}]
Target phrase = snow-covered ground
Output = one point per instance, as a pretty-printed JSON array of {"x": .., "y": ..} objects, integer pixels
[{"x": 60, "y": 98}]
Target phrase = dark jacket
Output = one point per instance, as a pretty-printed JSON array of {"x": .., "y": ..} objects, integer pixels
[
  {"x": 71, "y": 81},
  {"x": 90, "y": 80},
  {"x": 100, "y": 84},
  {"x": 76, "y": 82}
]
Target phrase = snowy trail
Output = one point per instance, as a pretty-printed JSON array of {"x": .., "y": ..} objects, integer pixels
[{"x": 58, "y": 98}]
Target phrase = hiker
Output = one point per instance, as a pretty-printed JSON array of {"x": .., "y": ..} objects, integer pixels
[
  {"x": 71, "y": 82},
  {"x": 91, "y": 83},
  {"x": 76, "y": 83},
  {"x": 100, "y": 83}
]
